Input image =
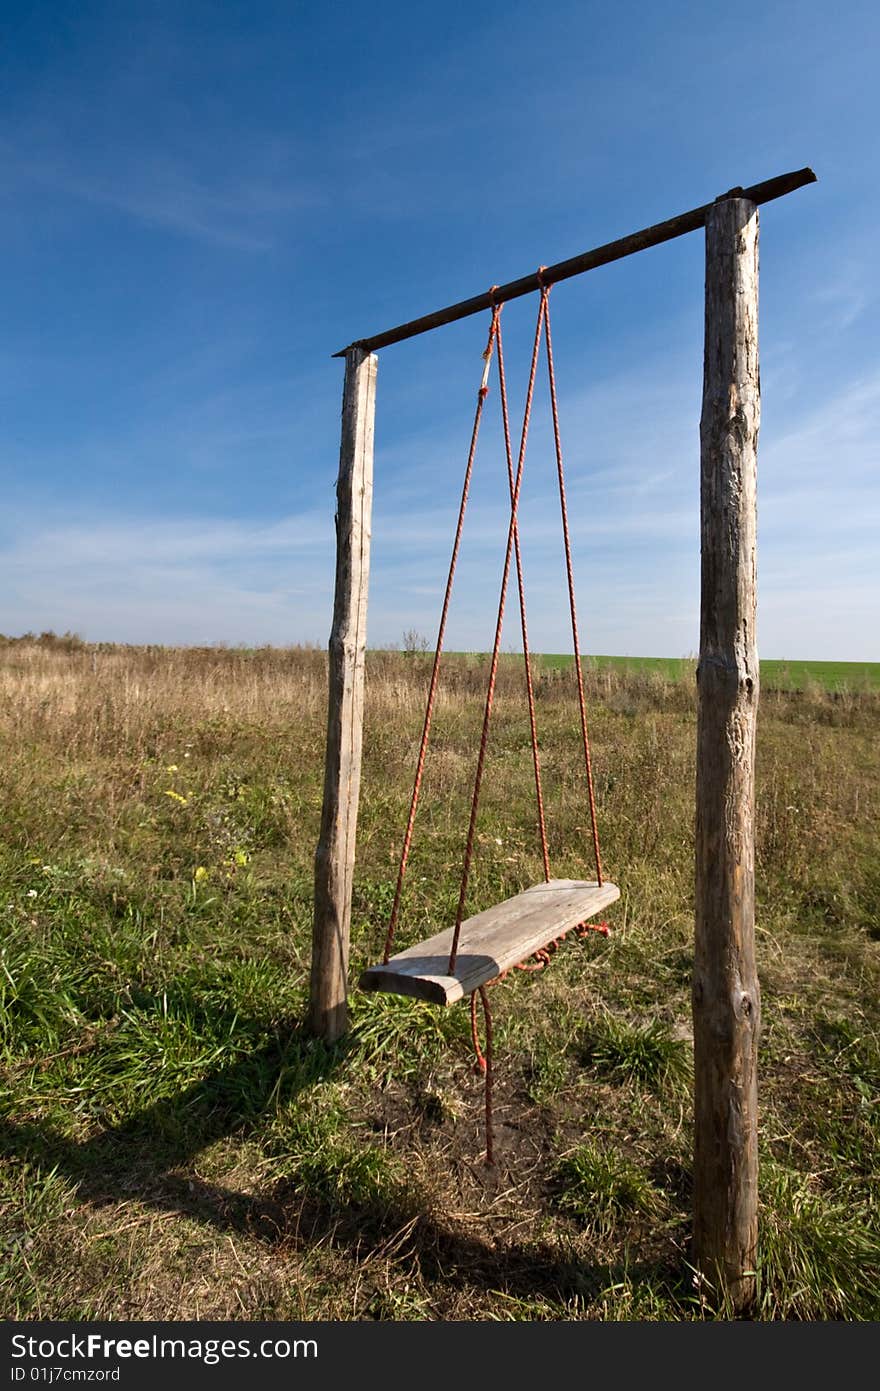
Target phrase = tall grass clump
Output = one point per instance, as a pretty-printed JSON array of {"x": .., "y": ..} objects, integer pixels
[
  {"x": 645, "y": 1054},
  {"x": 601, "y": 1187},
  {"x": 818, "y": 1256}
]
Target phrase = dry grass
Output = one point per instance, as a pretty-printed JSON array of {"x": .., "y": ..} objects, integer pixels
[{"x": 177, "y": 1147}]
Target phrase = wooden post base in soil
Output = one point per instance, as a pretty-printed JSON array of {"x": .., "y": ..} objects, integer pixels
[
  {"x": 334, "y": 859},
  {"x": 726, "y": 1003}
]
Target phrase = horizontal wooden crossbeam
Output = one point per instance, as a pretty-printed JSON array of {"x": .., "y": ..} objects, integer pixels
[
  {"x": 490, "y": 942},
  {"x": 588, "y": 260}
]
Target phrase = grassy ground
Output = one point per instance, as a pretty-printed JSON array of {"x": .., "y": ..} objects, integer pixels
[{"x": 176, "y": 1146}]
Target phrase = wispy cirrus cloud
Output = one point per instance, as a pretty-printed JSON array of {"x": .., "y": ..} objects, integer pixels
[
  {"x": 158, "y": 541},
  {"x": 236, "y": 209},
  {"x": 833, "y": 444},
  {"x": 154, "y": 580}
]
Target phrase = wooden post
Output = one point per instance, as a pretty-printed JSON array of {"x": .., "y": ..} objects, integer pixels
[
  {"x": 726, "y": 1002},
  {"x": 334, "y": 859}
]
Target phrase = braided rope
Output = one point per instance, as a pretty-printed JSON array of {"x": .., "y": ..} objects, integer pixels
[
  {"x": 533, "y": 728},
  {"x": 543, "y": 956},
  {"x": 496, "y": 647},
  {"x": 482, "y": 393},
  {"x": 484, "y": 1062},
  {"x": 566, "y": 536}
]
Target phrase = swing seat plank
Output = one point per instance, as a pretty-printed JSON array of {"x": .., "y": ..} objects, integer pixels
[{"x": 490, "y": 942}]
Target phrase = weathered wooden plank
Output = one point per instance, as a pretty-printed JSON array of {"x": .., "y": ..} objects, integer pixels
[
  {"x": 588, "y": 260},
  {"x": 726, "y": 1001},
  {"x": 334, "y": 858},
  {"x": 490, "y": 942}
]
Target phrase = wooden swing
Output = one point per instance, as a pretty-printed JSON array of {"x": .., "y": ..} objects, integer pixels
[
  {"x": 726, "y": 999},
  {"x": 464, "y": 958}
]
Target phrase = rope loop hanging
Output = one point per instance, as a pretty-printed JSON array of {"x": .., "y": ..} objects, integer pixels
[
  {"x": 569, "y": 569},
  {"x": 527, "y": 660},
  {"x": 441, "y": 633},
  {"x": 512, "y": 535},
  {"x": 495, "y": 347}
]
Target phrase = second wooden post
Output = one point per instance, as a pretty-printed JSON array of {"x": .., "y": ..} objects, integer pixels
[
  {"x": 726, "y": 1002},
  {"x": 334, "y": 859}
]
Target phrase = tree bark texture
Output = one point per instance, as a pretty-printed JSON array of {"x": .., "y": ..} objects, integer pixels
[
  {"x": 334, "y": 858},
  {"x": 726, "y": 1001}
]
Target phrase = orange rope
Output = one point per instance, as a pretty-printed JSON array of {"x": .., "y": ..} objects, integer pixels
[
  {"x": 536, "y": 758},
  {"x": 542, "y": 957},
  {"x": 482, "y": 393},
  {"x": 551, "y": 372},
  {"x": 493, "y": 670},
  {"x": 484, "y": 1062}
]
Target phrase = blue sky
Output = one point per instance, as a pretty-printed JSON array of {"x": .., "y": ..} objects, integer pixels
[{"x": 199, "y": 203}]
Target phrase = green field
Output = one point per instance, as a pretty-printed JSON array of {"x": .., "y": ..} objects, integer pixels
[
  {"x": 176, "y": 1146},
  {"x": 776, "y": 675}
]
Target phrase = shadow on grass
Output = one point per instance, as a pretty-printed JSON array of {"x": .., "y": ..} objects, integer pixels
[
  {"x": 144, "y": 1160},
  {"x": 136, "y": 1159},
  {"x": 539, "y": 1275}
]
